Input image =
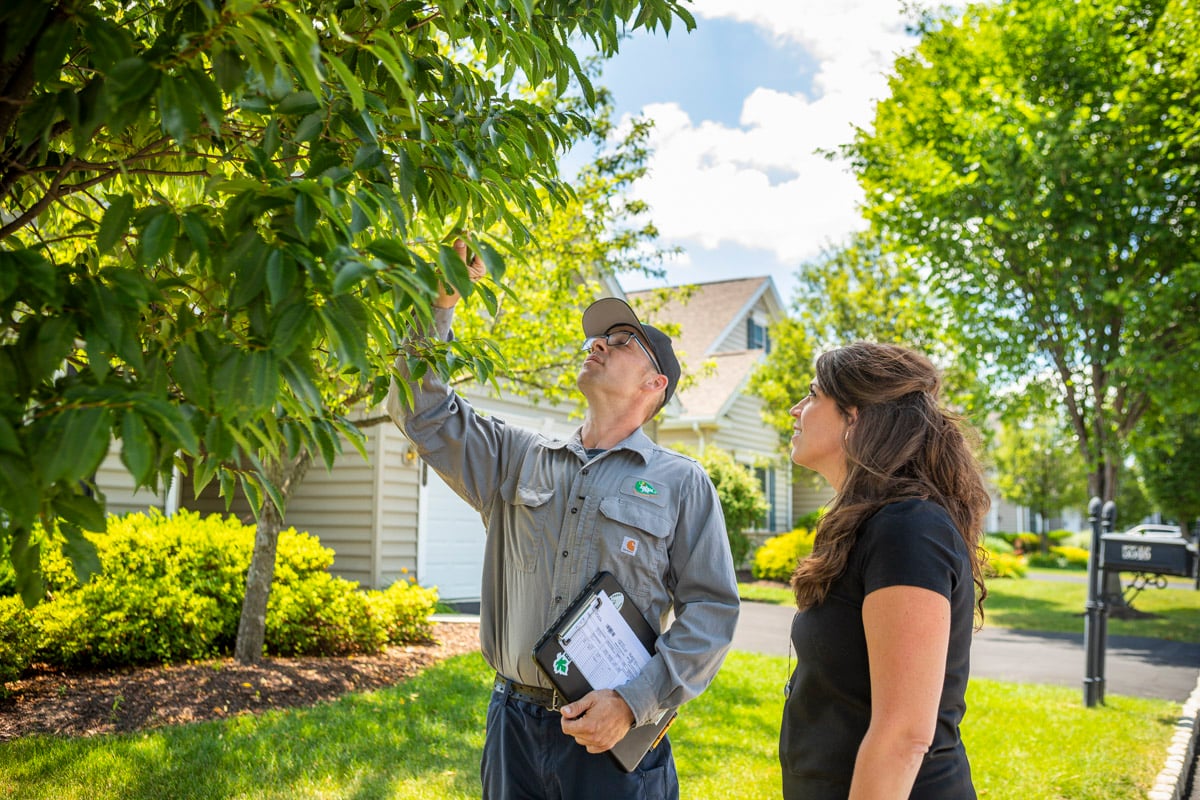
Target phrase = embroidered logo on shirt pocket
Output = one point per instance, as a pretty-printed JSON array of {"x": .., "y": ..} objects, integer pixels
[{"x": 629, "y": 546}]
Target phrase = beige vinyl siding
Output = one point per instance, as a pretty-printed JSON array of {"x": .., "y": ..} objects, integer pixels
[{"x": 397, "y": 482}]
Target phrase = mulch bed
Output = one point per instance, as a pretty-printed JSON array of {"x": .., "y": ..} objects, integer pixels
[{"x": 87, "y": 703}]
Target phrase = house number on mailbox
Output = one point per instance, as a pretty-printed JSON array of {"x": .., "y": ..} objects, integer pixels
[{"x": 1136, "y": 552}]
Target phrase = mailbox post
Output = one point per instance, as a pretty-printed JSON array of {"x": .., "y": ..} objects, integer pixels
[{"x": 1095, "y": 627}]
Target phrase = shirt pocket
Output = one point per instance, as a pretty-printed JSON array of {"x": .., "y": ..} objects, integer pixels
[
  {"x": 529, "y": 527},
  {"x": 634, "y": 543}
]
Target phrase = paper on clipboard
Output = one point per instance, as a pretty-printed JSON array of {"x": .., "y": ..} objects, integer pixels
[{"x": 602, "y": 645}]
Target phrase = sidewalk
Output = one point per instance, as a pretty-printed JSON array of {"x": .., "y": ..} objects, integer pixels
[{"x": 1134, "y": 666}]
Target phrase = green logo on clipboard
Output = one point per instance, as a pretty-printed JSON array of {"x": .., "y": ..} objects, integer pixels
[{"x": 562, "y": 663}]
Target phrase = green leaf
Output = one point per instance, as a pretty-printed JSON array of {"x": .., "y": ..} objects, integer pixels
[
  {"x": 52, "y": 49},
  {"x": 81, "y": 510},
  {"x": 19, "y": 492},
  {"x": 191, "y": 374},
  {"x": 491, "y": 259},
  {"x": 9, "y": 442},
  {"x": 349, "y": 275},
  {"x": 177, "y": 109},
  {"x": 77, "y": 441},
  {"x": 26, "y": 557},
  {"x": 137, "y": 447},
  {"x": 80, "y": 551},
  {"x": 302, "y": 102},
  {"x": 228, "y": 70},
  {"x": 311, "y": 127},
  {"x": 158, "y": 236},
  {"x": 115, "y": 223},
  {"x": 306, "y": 214}
]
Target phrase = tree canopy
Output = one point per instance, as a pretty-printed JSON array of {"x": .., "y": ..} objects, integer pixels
[
  {"x": 1041, "y": 158},
  {"x": 217, "y": 218}
]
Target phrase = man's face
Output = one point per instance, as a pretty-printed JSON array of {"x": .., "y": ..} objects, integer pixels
[{"x": 619, "y": 357}]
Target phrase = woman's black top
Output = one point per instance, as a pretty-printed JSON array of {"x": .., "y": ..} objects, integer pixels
[{"x": 906, "y": 543}]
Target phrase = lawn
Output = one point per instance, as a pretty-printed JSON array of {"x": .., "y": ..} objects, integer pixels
[
  {"x": 420, "y": 740},
  {"x": 1056, "y": 605}
]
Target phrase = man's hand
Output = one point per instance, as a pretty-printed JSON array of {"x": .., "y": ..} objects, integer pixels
[
  {"x": 598, "y": 720},
  {"x": 448, "y": 296}
]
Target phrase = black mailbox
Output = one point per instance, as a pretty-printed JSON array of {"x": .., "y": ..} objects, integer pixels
[{"x": 1132, "y": 552}]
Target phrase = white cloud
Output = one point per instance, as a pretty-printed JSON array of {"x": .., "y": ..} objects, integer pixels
[{"x": 764, "y": 184}]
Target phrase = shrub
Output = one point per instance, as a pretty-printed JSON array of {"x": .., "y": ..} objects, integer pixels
[
  {"x": 809, "y": 521},
  {"x": 171, "y": 589},
  {"x": 404, "y": 609},
  {"x": 1005, "y": 565},
  {"x": 1061, "y": 557},
  {"x": 17, "y": 639},
  {"x": 997, "y": 544},
  {"x": 776, "y": 559}
]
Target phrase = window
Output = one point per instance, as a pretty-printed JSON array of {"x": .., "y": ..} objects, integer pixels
[
  {"x": 756, "y": 336},
  {"x": 766, "y": 482}
]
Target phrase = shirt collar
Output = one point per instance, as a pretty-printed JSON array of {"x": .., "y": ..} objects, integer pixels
[{"x": 637, "y": 442}]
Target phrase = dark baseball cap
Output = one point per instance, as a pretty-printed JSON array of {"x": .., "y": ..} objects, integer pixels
[{"x": 607, "y": 313}]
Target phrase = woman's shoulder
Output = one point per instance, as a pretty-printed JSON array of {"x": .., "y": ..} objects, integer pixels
[{"x": 912, "y": 513}]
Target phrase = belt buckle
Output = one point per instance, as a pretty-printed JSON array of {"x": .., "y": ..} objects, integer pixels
[{"x": 554, "y": 698}]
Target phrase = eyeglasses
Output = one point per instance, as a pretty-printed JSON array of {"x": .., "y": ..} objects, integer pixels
[{"x": 622, "y": 339}]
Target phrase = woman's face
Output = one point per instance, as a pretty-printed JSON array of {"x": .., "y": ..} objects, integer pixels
[{"x": 818, "y": 441}]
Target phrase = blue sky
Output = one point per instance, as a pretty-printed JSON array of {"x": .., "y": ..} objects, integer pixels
[{"x": 741, "y": 106}]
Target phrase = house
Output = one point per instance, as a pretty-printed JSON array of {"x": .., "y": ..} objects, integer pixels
[{"x": 390, "y": 516}]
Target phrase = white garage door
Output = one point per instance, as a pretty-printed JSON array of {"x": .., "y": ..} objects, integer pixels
[{"x": 450, "y": 547}]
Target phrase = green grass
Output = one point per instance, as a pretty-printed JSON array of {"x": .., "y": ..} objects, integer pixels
[
  {"x": 420, "y": 740},
  {"x": 1057, "y": 606}
]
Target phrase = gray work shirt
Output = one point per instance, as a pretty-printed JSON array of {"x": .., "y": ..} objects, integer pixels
[{"x": 555, "y": 517}]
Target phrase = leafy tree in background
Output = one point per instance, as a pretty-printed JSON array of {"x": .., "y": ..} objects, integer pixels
[
  {"x": 1168, "y": 456},
  {"x": 1038, "y": 466},
  {"x": 742, "y": 502},
  {"x": 862, "y": 290},
  {"x": 1041, "y": 159},
  {"x": 217, "y": 216}
]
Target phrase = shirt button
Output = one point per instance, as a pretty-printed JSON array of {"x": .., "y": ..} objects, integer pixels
[
  {"x": 558, "y": 599},
  {"x": 574, "y": 510},
  {"x": 564, "y": 553},
  {"x": 584, "y": 471}
]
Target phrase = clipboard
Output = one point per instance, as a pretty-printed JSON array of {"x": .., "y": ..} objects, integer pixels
[{"x": 567, "y": 677}]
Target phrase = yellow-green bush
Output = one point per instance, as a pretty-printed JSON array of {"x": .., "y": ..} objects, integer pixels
[
  {"x": 1061, "y": 557},
  {"x": 777, "y": 558},
  {"x": 1005, "y": 565},
  {"x": 171, "y": 589},
  {"x": 17, "y": 639}
]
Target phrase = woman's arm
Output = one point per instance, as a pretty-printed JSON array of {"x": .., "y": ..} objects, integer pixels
[{"x": 907, "y": 631}]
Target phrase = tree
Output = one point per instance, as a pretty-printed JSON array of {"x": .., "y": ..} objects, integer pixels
[
  {"x": 1168, "y": 456},
  {"x": 1032, "y": 153},
  {"x": 219, "y": 217},
  {"x": 742, "y": 500},
  {"x": 1038, "y": 466},
  {"x": 599, "y": 233},
  {"x": 862, "y": 290}
]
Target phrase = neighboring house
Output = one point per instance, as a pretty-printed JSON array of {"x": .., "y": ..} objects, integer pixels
[{"x": 722, "y": 337}]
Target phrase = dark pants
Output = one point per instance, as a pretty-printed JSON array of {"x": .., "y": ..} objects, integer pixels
[{"x": 526, "y": 756}]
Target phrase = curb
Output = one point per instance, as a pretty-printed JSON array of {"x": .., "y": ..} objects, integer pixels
[{"x": 1172, "y": 780}]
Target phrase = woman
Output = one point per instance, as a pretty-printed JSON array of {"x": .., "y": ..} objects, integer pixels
[{"x": 887, "y": 598}]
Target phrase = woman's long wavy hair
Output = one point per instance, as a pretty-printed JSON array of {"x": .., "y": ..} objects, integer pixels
[{"x": 902, "y": 446}]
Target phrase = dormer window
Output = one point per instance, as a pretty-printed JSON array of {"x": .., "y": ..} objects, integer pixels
[{"x": 756, "y": 336}]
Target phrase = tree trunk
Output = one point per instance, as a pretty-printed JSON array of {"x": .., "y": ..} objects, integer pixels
[{"x": 286, "y": 474}]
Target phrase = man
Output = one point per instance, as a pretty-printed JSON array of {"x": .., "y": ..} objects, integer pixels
[{"x": 556, "y": 513}]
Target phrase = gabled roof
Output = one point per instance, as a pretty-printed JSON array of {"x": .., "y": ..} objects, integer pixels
[
  {"x": 712, "y": 310},
  {"x": 707, "y": 317}
]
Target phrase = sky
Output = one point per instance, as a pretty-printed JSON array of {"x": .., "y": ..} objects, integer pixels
[{"x": 742, "y": 108}]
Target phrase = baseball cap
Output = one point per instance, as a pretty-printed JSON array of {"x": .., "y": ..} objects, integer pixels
[{"x": 605, "y": 314}]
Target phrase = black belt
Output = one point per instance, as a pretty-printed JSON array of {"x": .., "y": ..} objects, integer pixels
[{"x": 546, "y": 698}]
